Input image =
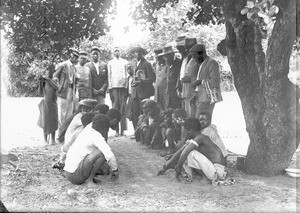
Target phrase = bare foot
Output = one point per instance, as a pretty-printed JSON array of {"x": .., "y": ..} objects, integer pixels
[
  {"x": 52, "y": 142},
  {"x": 90, "y": 183}
]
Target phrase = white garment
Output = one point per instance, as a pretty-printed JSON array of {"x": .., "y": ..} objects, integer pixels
[
  {"x": 212, "y": 171},
  {"x": 117, "y": 75},
  {"x": 212, "y": 132},
  {"x": 97, "y": 67},
  {"x": 65, "y": 107},
  {"x": 183, "y": 67},
  {"x": 88, "y": 141}
]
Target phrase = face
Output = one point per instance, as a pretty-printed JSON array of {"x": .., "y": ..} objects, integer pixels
[
  {"x": 137, "y": 55},
  {"x": 117, "y": 53},
  {"x": 74, "y": 59},
  {"x": 203, "y": 121},
  {"x": 187, "y": 48},
  {"x": 95, "y": 56},
  {"x": 169, "y": 58},
  {"x": 82, "y": 61},
  {"x": 190, "y": 134},
  {"x": 86, "y": 109},
  {"x": 198, "y": 56},
  {"x": 177, "y": 120},
  {"x": 181, "y": 49},
  {"x": 160, "y": 60}
]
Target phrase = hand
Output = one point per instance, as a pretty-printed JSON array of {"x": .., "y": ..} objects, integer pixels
[
  {"x": 195, "y": 83},
  {"x": 114, "y": 175},
  {"x": 186, "y": 79},
  {"x": 161, "y": 172},
  {"x": 178, "y": 93},
  {"x": 100, "y": 92}
]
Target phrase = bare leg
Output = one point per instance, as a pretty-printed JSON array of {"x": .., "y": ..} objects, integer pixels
[
  {"x": 98, "y": 159},
  {"x": 53, "y": 138},
  {"x": 45, "y": 136}
]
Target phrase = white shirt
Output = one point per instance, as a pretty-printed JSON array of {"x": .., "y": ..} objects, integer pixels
[
  {"x": 117, "y": 75},
  {"x": 96, "y": 66},
  {"x": 88, "y": 141},
  {"x": 183, "y": 66}
]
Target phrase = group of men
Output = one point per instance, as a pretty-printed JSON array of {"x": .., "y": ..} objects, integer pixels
[{"x": 185, "y": 84}]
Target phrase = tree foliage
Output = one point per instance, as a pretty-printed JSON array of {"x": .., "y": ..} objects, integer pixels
[{"x": 40, "y": 26}]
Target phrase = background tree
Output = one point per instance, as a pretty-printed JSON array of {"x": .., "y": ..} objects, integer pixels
[
  {"x": 40, "y": 30},
  {"x": 268, "y": 97}
]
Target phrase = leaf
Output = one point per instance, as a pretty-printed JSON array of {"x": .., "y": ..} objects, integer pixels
[
  {"x": 262, "y": 14},
  {"x": 244, "y": 11},
  {"x": 271, "y": 1},
  {"x": 273, "y": 10}
]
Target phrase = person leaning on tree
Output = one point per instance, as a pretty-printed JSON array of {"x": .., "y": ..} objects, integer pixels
[
  {"x": 208, "y": 74},
  {"x": 98, "y": 75},
  {"x": 65, "y": 75}
]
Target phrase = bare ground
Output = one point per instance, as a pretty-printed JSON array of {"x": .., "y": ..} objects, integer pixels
[{"x": 41, "y": 188}]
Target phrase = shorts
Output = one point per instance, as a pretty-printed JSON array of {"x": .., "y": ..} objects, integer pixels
[{"x": 82, "y": 173}]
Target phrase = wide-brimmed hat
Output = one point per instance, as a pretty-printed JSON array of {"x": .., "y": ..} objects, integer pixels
[
  {"x": 95, "y": 48},
  {"x": 180, "y": 41},
  {"x": 74, "y": 51},
  {"x": 157, "y": 51},
  {"x": 88, "y": 102},
  {"x": 198, "y": 48},
  {"x": 190, "y": 41},
  {"x": 83, "y": 54},
  {"x": 138, "y": 49},
  {"x": 167, "y": 50}
]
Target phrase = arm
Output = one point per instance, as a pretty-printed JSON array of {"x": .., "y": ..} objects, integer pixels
[
  {"x": 150, "y": 74},
  {"x": 186, "y": 151},
  {"x": 57, "y": 74},
  {"x": 109, "y": 74},
  {"x": 214, "y": 74},
  {"x": 105, "y": 85},
  {"x": 108, "y": 154}
]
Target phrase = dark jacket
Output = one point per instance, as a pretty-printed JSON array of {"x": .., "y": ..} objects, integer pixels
[
  {"x": 144, "y": 89},
  {"x": 98, "y": 81}
]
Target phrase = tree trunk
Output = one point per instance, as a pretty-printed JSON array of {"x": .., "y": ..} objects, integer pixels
[{"x": 268, "y": 97}]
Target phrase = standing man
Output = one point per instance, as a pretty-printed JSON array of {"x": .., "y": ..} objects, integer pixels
[
  {"x": 83, "y": 77},
  {"x": 161, "y": 69},
  {"x": 172, "y": 99},
  {"x": 190, "y": 75},
  {"x": 117, "y": 86},
  {"x": 65, "y": 75},
  {"x": 208, "y": 74},
  {"x": 98, "y": 75},
  {"x": 142, "y": 85}
]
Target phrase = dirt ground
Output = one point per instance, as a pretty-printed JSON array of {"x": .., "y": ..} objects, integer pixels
[{"x": 39, "y": 187}]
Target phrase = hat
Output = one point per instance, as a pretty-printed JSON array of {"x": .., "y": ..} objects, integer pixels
[
  {"x": 190, "y": 41},
  {"x": 88, "y": 102},
  {"x": 157, "y": 51},
  {"x": 83, "y": 54},
  {"x": 95, "y": 48},
  {"x": 180, "y": 41},
  {"x": 166, "y": 50},
  {"x": 74, "y": 51},
  {"x": 116, "y": 48},
  {"x": 139, "y": 49},
  {"x": 198, "y": 48},
  {"x": 150, "y": 104}
]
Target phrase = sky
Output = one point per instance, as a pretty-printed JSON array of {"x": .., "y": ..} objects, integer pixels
[{"x": 123, "y": 20}]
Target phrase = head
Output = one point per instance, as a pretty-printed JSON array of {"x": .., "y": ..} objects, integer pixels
[
  {"x": 82, "y": 58},
  {"x": 102, "y": 108},
  {"x": 87, "y": 119},
  {"x": 138, "y": 52},
  {"x": 198, "y": 52},
  {"x": 180, "y": 41},
  {"x": 181, "y": 50},
  {"x": 114, "y": 116},
  {"x": 151, "y": 108},
  {"x": 192, "y": 127},
  {"x": 74, "y": 57},
  {"x": 100, "y": 123},
  {"x": 205, "y": 119},
  {"x": 50, "y": 71},
  {"x": 116, "y": 52},
  {"x": 95, "y": 54},
  {"x": 189, "y": 43},
  {"x": 178, "y": 116},
  {"x": 170, "y": 57}
]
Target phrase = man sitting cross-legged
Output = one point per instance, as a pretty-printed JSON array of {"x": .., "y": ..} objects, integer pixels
[
  {"x": 199, "y": 153},
  {"x": 89, "y": 152}
]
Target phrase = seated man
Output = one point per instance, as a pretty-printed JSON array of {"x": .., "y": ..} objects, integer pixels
[
  {"x": 89, "y": 152},
  {"x": 174, "y": 132},
  {"x": 138, "y": 135},
  {"x": 199, "y": 153},
  {"x": 211, "y": 131},
  {"x": 65, "y": 125}
]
